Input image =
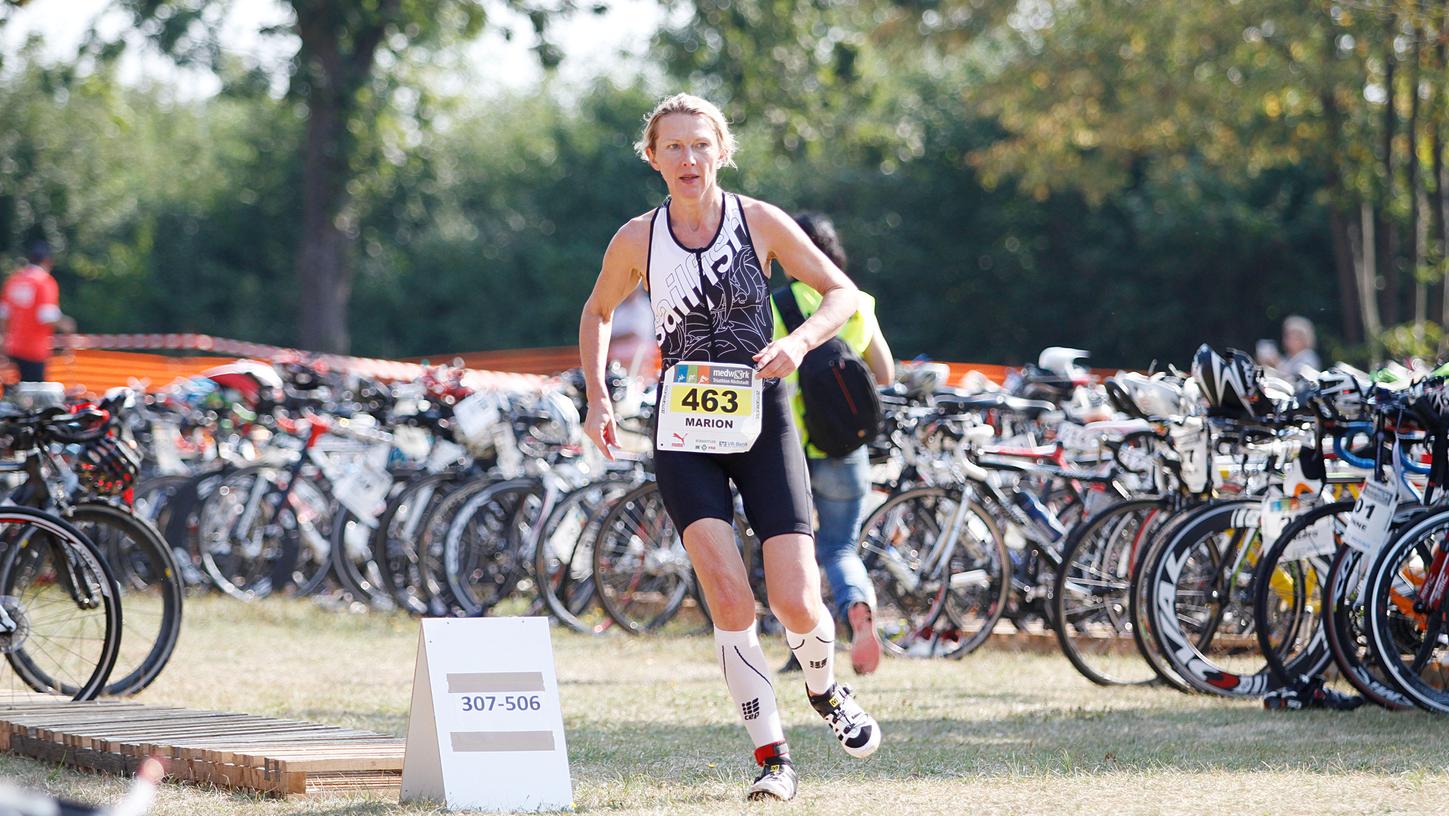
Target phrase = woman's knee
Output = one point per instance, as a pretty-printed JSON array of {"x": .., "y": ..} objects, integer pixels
[
  {"x": 797, "y": 611},
  {"x": 730, "y": 598}
]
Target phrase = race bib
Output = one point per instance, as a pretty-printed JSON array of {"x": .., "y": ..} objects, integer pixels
[
  {"x": 1277, "y": 512},
  {"x": 1315, "y": 540},
  {"x": 1367, "y": 527},
  {"x": 363, "y": 490},
  {"x": 166, "y": 446},
  {"x": 476, "y": 415},
  {"x": 709, "y": 408},
  {"x": 1076, "y": 437}
]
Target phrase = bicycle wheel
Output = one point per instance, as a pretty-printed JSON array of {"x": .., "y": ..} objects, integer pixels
[
  {"x": 395, "y": 541},
  {"x": 482, "y": 549},
  {"x": 151, "y": 592},
  {"x": 563, "y": 561},
  {"x": 1141, "y": 607},
  {"x": 1408, "y": 626},
  {"x": 912, "y": 616},
  {"x": 61, "y": 623},
  {"x": 1288, "y": 612},
  {"x": 1091, "y": 593},
  {"x": 152, "y": 498},
  {"x": 641, "y": 570},
  {"x": 253, "y": 543},
  {"x": 1347, "y": 636},
  {"x": 1201, "y": 601},
  {"x": 353, "y": 562},
  {"x": 180, "y": 523}
]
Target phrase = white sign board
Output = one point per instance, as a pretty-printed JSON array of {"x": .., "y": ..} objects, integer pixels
[{"x": 486, "y": 730}]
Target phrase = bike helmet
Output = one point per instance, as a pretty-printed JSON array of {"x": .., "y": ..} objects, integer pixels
[
  {"x": 1062, "y": 362},
  {"x": 1339, "y": 394},
  {"x": 108, "y": 465},
  {"x": 922, "y": 379},
  {"x": 1229, "y": 383},
  {"x": 1154, "y": 396},
  {"x": 249, "y": 378}
]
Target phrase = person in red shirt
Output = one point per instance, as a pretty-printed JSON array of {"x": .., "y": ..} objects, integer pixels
[{"x": 30, "y": 313}]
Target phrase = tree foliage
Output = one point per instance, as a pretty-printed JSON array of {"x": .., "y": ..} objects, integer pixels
[{"x": 1128, "y": 177}]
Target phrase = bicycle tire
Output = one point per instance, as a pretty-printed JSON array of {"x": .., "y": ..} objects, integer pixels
[
  {"x": 641, "y": 569},
  {"x": 1140, "y": 608},
  {"x": 1347, "y": 636},
  {"x": 482, "y": 548},
  {"x": 1397, "y": 626},
  {"x": 1296, "y": 587},
  {"x": 395, "y": 541},
  {"x": 1091, "y": 592},
  {"x": 151, "y": 592},
  {"x": 354, "y": 563},
  {"x": 563, "y": 563},
  {"x": 1186, "y": 569},
  {"x": 909, "y": 614},
  {"x": 28, "y": 570},
  {"x": 281, "y": 547}
]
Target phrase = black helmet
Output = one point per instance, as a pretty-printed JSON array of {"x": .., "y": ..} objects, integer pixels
[{"x": 1229, "y": 384}]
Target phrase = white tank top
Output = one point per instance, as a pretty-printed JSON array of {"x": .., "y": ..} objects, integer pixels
[{"x": 710, "y": 304}]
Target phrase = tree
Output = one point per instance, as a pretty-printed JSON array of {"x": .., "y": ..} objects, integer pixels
[{"x": 335, "y": 77}]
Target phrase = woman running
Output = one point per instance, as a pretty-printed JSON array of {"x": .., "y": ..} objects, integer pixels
[{"x": 704, "y": 256}]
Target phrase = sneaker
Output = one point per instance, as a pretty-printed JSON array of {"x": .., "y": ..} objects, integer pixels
[
  {"x": 857, "y": 731},
  {"x": 865, "y": 648},
  {"x": 776, "y": 781}
]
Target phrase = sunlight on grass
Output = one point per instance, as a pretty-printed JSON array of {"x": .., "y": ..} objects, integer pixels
[{"x": 650, "y": 729}]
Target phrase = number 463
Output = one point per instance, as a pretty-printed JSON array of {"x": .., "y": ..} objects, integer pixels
[{"x": 709, "y": 400}]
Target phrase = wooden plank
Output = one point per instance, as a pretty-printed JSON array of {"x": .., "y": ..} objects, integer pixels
[{"x": 274, "y": 757}]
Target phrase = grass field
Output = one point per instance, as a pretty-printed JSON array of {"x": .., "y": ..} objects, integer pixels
[{"x": 650, "y": 730}]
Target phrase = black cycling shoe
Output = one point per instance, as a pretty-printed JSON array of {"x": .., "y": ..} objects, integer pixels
[{"x": 776, "y": 781}]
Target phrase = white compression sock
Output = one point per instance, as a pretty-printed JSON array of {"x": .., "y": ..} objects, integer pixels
[
  {"x": 743, "y": 663},
  {"x": 815, "y": 650}
]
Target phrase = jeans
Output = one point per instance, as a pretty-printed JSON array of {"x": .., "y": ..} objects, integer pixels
[{"x": 839, "y": 487}]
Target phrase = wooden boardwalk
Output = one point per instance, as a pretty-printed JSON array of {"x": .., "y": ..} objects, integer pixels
[{"x": 244, "y": 751}]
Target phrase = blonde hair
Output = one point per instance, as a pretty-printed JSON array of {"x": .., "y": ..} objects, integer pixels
[{"x": 687, "y": 103}]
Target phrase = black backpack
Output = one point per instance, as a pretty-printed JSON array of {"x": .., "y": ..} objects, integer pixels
[{"x": 842, "y": 405}]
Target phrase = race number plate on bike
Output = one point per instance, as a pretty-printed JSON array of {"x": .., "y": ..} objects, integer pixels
[
  {"x": 1366, "y": 528},
  {"x": 709, "y": 408}
]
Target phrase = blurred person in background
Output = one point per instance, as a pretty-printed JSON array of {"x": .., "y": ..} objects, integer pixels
[
  {"x": 1299, "y": 349},
  {"x": 30, "y": 313},
  {"x": 840, "y": 484}
]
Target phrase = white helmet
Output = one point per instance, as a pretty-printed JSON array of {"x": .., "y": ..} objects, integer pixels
[
  {"x": 1154, "y": 396},
  {"x": 1062, "y": 361}
]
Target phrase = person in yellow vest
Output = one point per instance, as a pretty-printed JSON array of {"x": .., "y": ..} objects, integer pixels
[{"x": 839, "y": 484}]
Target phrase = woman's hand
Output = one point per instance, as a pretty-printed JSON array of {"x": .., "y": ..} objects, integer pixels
[
  {"x": 781, "y": 357},
  {"x": 601, "y": 428}
]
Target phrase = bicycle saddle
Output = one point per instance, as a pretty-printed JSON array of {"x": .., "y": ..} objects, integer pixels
[{"x": 1029, "y": 408}]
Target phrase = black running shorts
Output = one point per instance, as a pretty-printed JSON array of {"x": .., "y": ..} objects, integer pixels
[{"x": 772, "y": 477}]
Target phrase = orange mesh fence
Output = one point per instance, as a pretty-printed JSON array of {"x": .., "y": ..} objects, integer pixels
[{"x": 97, "y": 362}]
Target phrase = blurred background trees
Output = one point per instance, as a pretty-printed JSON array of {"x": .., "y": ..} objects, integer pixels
[{"x": 1124, "y": 176}]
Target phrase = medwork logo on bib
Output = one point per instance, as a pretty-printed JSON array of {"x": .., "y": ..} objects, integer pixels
[{"x": 738, "y": 377}]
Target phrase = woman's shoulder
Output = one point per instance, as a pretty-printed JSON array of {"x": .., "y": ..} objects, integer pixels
[
  {"x": 757, "y": 211},
  {"x": 635, "y": 231}
]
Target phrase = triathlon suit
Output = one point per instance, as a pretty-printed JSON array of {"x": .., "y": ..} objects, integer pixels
[{"x": 712, "y": 304}]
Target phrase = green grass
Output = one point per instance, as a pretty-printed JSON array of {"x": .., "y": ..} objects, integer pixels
[{"x": 650, "y": 730}]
